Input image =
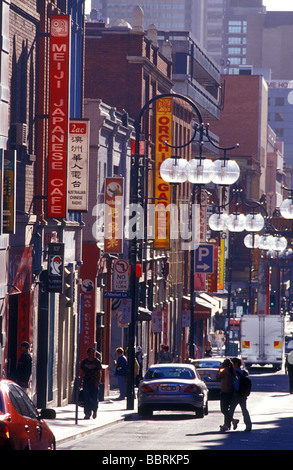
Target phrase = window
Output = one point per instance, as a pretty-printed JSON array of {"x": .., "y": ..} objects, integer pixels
[
  {"x": 279, "y": 132},
  {"x": 234, "y": 40},
  {"x": 169, "y": 373},
  {"x": 234, "y": 50},
  {"x": 237, "y": 26},
  {"x": 21, "y": 402}
]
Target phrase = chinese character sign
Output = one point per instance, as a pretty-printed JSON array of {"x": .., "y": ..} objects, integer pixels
[{"x": 78, "y": 165}]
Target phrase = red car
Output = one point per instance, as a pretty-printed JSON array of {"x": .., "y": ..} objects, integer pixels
[{"x": 22, "y": 427}]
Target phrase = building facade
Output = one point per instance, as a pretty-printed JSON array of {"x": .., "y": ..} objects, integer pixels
[
  {"x": 170, "y": 15},
  {"x": 46, "y": 319},
  {"x": 243, "y": 120},
  {"x": 280, "y": 115}
]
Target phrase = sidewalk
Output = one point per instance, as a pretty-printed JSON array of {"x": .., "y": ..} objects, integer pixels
[{"x": 110, "y": 411}]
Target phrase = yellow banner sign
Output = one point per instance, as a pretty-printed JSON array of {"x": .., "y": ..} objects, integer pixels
[
  {"x": 221, "y": 264},
  {"x": 162, "y": 189}
]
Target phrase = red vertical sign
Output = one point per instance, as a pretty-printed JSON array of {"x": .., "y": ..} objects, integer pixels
[
  {"x": 212, "y": 279},
  {"x": 88, "y": 273},
  {"x": 58, "y": 116}
]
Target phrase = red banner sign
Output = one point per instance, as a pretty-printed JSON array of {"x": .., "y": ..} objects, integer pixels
[{"x": 58, "y": 116}]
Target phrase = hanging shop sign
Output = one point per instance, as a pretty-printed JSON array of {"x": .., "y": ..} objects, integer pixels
[
  {"x": 212, "y": 278},
  {"x": 162, "y": 189},
  {"x": 78, "y": 154},
  {"x": 1, "y": 188},
  {"x": 9, "y": 191},
  {"x": 114, "y": 214},
  {"x": 221, "y": 264},
  {"x": 55, "y": 267},
  {"x": 88, "y": 288},
  {"x": 58, "y": 116}
]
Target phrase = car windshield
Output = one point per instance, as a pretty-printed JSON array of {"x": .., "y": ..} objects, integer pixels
[
  {"x": 169, "y": 373},
  {"x": 207, "y": 364}
]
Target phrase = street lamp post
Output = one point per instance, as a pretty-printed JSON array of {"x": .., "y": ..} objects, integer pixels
[
  {"x": 133, "y": 242},
  {"x": 198, "y": 171},
  {"x": 267, "y": 239}
]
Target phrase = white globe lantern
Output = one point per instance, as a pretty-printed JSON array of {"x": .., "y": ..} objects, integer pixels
[
  {"x": 227, "y": 172},
  {"x": 218, "y": 222},
  {"x": 279, "y": 243},
  {"x": 254, "y": 222},
  {"x": 201, "y": 171},
  {"x": 251, "y": 240},
  {"x": 266, "y": 242},
  {"x": 286, "y": 209},
  {"x": 174, "y": 170},
  {"x": 236, "y": 222}
]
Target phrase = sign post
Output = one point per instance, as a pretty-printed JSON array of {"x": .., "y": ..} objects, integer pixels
[
  {"x": 121, "y": 275},
  {"x": 204, "y": 259}
]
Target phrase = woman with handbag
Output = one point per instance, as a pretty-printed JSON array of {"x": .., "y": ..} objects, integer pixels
[{"x": 226, "y": 376}]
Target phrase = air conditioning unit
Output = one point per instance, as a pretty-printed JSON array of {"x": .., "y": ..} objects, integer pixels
[{"x": 18, "y": 134}]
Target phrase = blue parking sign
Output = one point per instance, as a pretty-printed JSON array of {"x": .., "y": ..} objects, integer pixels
[{"x": 204, "y": 259}]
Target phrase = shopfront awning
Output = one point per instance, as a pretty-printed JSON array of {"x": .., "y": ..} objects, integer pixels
[
  {"x": 202, "y": 309},
  {"x": 144, "y": 314},
  {"x": 216, "y": 302},
  {"x": 206, "y": 306}
]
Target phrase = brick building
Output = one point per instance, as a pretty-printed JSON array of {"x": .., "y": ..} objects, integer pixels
[
  {"x": 32, "y": 313},
  {"x": 243, "y": 120},
  {"x": 127, "y": 77}
]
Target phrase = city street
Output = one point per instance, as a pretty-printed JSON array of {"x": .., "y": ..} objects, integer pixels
[{"x": 270, "y": 406}]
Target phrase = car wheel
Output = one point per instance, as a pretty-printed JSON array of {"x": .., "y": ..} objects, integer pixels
[
  {"x": 206, "y": 409},
  {"x": 199, "y": 412},
  {"x": 144, "y": 411}
]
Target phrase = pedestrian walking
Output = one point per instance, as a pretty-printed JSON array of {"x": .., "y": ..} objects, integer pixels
[
  {"x": 165, "y": 355},
  {"x": 226, "y": 376},
  {"x": 90, "y": 377},
  {"x": 220, "y": 340},
  {"x": 208, "y": 349},
  {"x": 139, "y": 358},
  {"x": 121, "y": 371},
  {"x": 24, "y": 366},
  {"x": 241, "y": 392},
  {"x": 289, "y": 370},
  {"x": 136, "y": 365}
]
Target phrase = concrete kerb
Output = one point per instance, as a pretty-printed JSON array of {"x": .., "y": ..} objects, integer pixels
[{"x": 110, "y": 411}]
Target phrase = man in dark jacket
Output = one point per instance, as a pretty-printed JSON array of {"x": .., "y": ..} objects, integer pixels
[
  {"x": 90, "y": 375},
  {"x": 289, "y": 370},
  {"x": 239, "y": 398},
  {"x": 24, "y": 366},
  {"x": 121, "y": 371}
]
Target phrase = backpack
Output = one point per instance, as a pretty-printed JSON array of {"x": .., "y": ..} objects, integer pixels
[{"x": 244, "y": 381}]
